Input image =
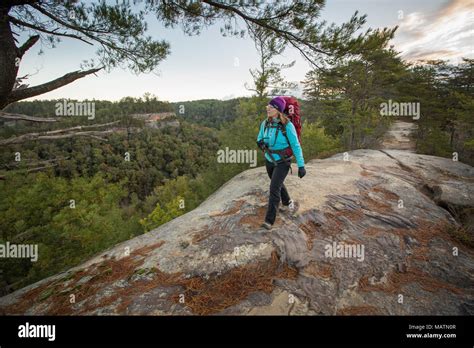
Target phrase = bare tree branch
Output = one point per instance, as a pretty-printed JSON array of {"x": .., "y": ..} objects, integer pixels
[
  {"x": 42, "y": 136},
  {"x": 28, "y": 44},
  {"x": 93, "y": 134},
  {"x": 56, "y": 134},
  {"x": 41, "y": 168},
  {"x": 22, "y": 117},
  {"x": 81, "y": 127},
  {"x": 20, "y": 94}
]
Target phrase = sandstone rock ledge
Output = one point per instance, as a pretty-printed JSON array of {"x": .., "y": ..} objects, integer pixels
[{"x": 400, "y": 208}]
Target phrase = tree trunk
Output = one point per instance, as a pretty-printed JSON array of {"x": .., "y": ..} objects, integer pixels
[
  {"x": 353, "y": 127},
  {"x": 9, "y": 57}
]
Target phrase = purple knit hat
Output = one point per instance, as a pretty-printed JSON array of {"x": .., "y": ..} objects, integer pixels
[{"x": 278, "y": 103}]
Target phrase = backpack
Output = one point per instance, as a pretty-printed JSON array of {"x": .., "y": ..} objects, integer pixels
[{"x": 292, "y": 110}]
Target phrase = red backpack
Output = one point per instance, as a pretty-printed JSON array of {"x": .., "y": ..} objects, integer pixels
[{"x": 292, "y": 110}]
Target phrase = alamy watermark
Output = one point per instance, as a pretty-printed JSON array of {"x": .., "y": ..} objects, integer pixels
[
  {"x": 20, "y": 251},
  {"x": 343, "y": 250},
  {"x": 394, "y": 108},
  {"x": 237, "y": 156},
  {"x": 37, "y": 331},
  {"x": 74, "y": 108}
]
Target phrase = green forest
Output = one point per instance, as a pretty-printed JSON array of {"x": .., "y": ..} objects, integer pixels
[
  {"x": 76, "y": 186},
  {"x": 172, "y": 170}
]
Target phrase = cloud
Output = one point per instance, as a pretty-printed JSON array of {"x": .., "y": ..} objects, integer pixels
[{"x": 446, "y": 33}]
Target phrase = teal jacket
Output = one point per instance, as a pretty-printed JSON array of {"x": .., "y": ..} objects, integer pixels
[{"x": 280, "y": 142}]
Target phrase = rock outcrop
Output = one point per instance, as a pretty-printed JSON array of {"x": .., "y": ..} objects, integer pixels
[{"x": 376, "y": 233}]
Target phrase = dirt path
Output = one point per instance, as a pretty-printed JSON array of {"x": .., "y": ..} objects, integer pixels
[{"x": 399, "y": 137}]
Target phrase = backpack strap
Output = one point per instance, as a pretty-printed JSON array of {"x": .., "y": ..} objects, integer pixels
[{"x": 283, "y": 131}]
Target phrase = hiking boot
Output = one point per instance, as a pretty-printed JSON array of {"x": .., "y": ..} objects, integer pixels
[
  {"x": 290, "y": 208},
  {"x": 267, "y": 225}
]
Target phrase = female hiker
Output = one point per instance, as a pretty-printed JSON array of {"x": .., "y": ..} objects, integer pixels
[{"x": 278, "y": 139}]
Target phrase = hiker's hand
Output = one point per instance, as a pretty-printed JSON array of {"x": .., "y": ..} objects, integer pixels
[
  {"x": 261, "y": 144},
  {"x": 301, "y": 172}
]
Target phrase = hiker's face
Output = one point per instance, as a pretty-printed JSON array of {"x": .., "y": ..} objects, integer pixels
[{"x": 271, "y": 111}]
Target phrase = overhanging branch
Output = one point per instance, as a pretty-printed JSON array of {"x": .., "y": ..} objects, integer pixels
[
  {"x": 283, "y": 33},
  {"x": 18, "y": 22},
  {"x": 28, "y": 44},
  {"x": 20, "y": 94}
]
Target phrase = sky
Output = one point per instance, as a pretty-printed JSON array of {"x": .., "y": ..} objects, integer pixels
[{"x": 210, "y": 66}]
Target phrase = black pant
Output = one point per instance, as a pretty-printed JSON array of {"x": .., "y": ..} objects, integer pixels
[{"x": 278, "y": 190}]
